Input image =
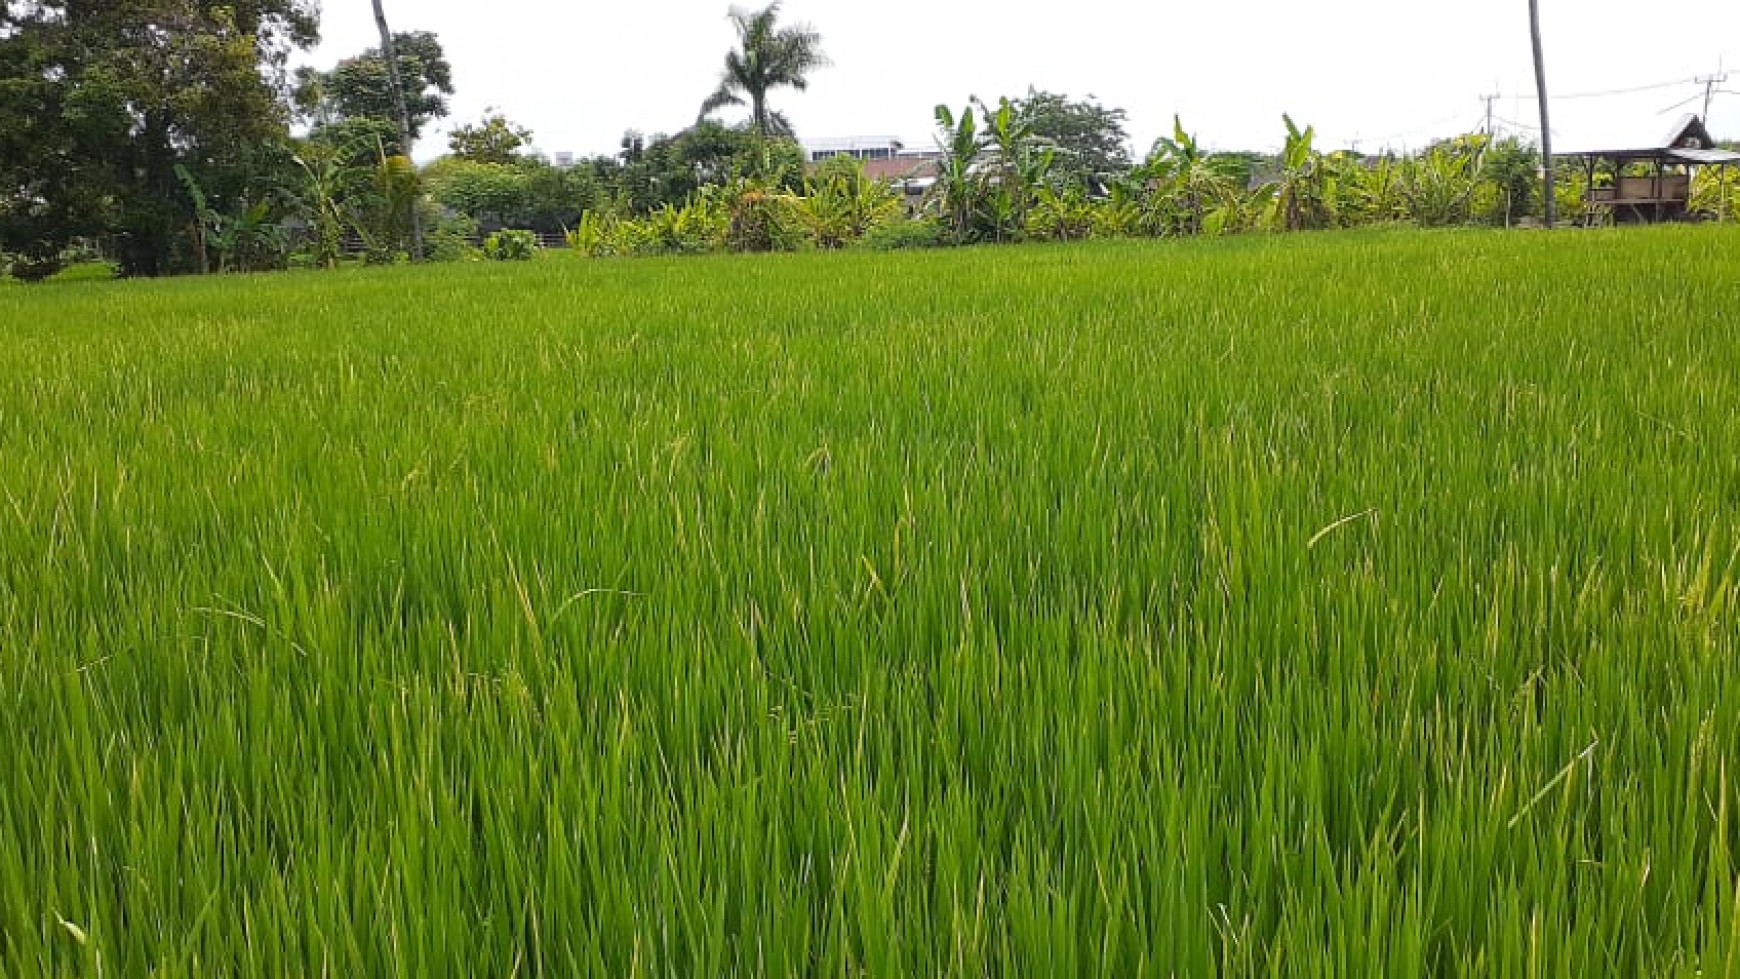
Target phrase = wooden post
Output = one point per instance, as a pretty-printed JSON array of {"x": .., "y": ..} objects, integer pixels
[{"x": 1656, "y": 190}]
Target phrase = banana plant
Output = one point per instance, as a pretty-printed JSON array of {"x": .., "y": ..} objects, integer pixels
[
  {"x": 249, "y": 239},
  {"x": 206, "y": 221},
  {"x": 394, "y": 191},
  {"x": 1188, "y": 191},
  {"x": 840, "y": 204},
  {"x": 1439, "y": 185},
  {"x": 253, "y": 240},
  {"x": 324, "y": 199},
  {"x": 1016, "y": 165},
  {"x": 1370, "y": 193},
  {"x": 1302, "y": 196},
  {"x": 955, "y": 194},
  {"x": 1714, "y": 194},
  {"x": 1118, "y": 215},
  {"x": 1068, "y": 216},
  {"x": 699, "y": 226},
  {"x": 755, "y": 215}
]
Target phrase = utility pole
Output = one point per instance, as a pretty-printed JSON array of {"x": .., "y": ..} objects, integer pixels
[
  {"x": 1710, "y": 82},
  {"x": 1551, "y": 204},
  {"x": 1489, "y": 99},
  {"x": 398, "y": 86}
]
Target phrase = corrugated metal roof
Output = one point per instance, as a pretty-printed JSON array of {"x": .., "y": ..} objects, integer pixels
[
  {"x": 1688, "y": 141},
  {"x": 1704, "y": 156}
]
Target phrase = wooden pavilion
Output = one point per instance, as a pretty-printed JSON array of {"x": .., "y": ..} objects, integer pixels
[{"x": 1652, "y": 183}]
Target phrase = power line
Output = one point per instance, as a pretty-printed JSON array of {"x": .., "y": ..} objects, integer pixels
[
  {"x": 1614, "y": 91},
  {"x": 1685, "y": 102},
  {"x": 1518, "y": 125}
]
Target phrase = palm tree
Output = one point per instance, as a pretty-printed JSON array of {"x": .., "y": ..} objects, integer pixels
[
  {"x": 767, "y": 57},
  {"x": 392, "y": 58}
]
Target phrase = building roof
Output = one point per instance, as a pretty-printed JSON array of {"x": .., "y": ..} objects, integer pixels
[
  {"x": 848, "y": 144},
  {"x": 900, "y": 168},
  {"x": 1687, "y": 142},
  {"x": 1714, "y": 155}
]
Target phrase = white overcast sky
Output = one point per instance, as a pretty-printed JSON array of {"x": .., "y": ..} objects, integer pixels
[{"x": 1366, "y": 73}]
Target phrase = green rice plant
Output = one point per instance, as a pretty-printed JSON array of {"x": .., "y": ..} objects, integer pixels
[{"x": 1258, "y": 605}]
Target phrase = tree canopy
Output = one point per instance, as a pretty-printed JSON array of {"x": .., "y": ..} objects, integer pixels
[
  {"x": 156, "y": 133},
  {"x": 359, "y": 88},
  {"x": 109, "y": 112},
  {"x": 492, "y": 140},
  {"x": 1091, "y": 142},
  {"x": 651, "y": 173}
]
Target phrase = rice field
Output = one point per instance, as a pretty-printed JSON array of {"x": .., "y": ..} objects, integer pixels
[{"x": 1311, "y": 605}]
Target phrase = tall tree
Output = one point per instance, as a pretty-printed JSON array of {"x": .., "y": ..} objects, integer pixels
[
  {"x": 767, "y": 57},
  {"x": 355, "y": 97},
  {"x": 138, "y": 120},
  {"x": 1091, "y": 142},
  {"x": 407, "y": 139},
  {"x": 494, "y": 140}
]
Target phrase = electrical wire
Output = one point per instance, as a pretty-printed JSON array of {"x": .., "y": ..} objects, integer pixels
[
  {"x": 1607, "y": 93},
  {"x": 1516, "y": 125}
]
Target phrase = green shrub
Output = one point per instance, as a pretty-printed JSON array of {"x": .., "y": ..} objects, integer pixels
[
  {"x": 698, "y": 227},
  {"x": 755, "y": 216},
  {"x": 34, "y": 268},
  {"x": 1061, "y": 217},
  {"x": 450, "y": 240},
  {"x": 591, "y": 237},
  {"x": 511, "y": 246},
  {"x": 89, "y": 270},
  {"x": 902, "y": 233}
]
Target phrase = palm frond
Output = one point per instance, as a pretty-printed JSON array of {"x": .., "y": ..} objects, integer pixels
[
  {"x": 767, "y": 57},
  {"x": 724, "y": 96}
]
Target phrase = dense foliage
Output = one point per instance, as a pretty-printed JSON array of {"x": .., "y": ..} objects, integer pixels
[
  {"x": 109, "y": 112},
  {"x": 155, "y": 134},
  {"x": 495, "y": 139},
  {"x": 357, "y": 94},
  {"x": 511, "y": 246},
  {"x": 999, "y": 180},
  {"x": 1091, "y": 144}
]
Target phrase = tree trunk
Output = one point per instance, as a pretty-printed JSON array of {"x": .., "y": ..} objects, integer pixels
[
  {"x": 1551, "y": 203},
  {"x": 393, "y": 81}
]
